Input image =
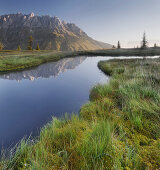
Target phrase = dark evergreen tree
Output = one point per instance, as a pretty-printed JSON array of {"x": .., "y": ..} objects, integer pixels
[
  {"x": 144, "y": 43},
  {"x": 155, "y": 45},
  {"x": 37, "y": 48},
  {"x": 119, "y": 45},
  {"x": 30, "y": 43},
  {"x": 113, "y": 46}
]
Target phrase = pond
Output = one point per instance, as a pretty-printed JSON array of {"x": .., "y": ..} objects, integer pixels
[{"x": 29, "y": 99}]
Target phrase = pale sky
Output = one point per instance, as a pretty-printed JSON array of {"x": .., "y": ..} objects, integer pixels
[{"x": 103, "y": 20}]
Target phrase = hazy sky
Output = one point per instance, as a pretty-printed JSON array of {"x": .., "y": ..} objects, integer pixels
[{"x": 104, "y": 20}]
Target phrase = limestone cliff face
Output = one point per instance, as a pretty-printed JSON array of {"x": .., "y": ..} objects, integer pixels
[{"x": 49, "y": 32}]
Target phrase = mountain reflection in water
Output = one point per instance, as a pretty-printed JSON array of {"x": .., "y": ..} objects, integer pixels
[
  {"x": 26, "y": 106},
  {"x": 45, "y": 70}
]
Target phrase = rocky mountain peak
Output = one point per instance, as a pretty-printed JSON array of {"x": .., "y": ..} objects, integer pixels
[
  {"x": 31, "y": 14},
  {"x": 49, "y": 32}
]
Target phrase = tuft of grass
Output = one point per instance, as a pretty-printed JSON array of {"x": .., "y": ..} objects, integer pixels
[{"x": 96, "y": 150}]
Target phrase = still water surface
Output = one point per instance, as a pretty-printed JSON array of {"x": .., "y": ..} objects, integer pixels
[{"x": 29, "y": 99}]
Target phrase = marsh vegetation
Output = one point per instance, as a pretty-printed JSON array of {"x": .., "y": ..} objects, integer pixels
[{"x": 117, "y": 129}]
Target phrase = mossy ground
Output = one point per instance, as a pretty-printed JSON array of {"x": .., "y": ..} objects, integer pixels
[{"x": 118, "y": 129}]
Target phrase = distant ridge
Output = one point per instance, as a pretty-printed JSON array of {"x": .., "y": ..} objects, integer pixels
[{"x": 50, "y": 32}]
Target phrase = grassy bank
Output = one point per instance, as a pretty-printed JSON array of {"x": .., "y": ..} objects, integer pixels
[
  {"x": 126, "y": 52},
  {"x": 15, "y": 60},
  {"x": 20, "y": 60},
  {"x": 118, "y": 129}
]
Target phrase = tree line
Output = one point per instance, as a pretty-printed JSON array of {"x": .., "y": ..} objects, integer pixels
[
  {"x": 29, "y": 47},
  {"x": 144, "y": 43}
]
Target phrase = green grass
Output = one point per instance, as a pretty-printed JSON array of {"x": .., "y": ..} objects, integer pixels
[
  {"x": 20, "y": 60},
  {"x": 119, "y": 128}
]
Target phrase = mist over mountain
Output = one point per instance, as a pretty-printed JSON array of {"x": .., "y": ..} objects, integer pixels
[{"x": 49, "y": 32}]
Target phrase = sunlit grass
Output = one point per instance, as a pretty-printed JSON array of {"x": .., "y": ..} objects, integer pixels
[{"x": 15, "y": 60}]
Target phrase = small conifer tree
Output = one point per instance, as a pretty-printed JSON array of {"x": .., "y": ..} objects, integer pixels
[
  {"x": 113, "y": 46},
  {"x": 1, "y": 46},
  {"x": 119, "y": 45},
  {"x": 37, "y": 48},
  {"x": 155, "y": 45},
  {"x": 19, "y": 48},
  {"x": 144, "y": 43},
  {"x": 30, "y": 43}
]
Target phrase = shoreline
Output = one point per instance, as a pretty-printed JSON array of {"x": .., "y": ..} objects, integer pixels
[{"x": 11, "y": 61}]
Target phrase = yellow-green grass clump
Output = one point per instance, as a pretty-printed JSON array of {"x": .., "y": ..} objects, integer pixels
[{"x": 118, "y": 129}]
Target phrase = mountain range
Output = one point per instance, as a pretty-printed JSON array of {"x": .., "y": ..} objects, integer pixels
[{"x": 49, "y": 32}]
